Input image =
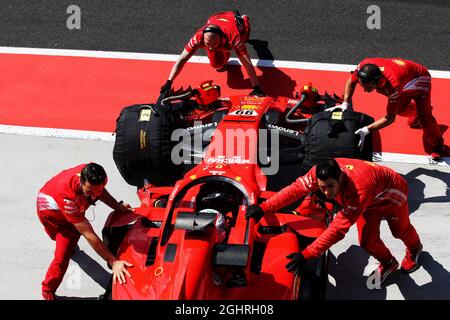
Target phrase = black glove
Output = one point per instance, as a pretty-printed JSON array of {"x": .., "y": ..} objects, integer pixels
[
  {"x": 166, "y": 87},
  {"x": 257, "y": 92},
  {"x": 254, "y": 211},
  {"x": 297, "y": 263}
]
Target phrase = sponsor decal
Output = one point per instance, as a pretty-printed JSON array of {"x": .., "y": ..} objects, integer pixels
[
  {"x": 254, "y": 99},
  {"x": 290, "y": 131},
  {"x": 145, "y": 115},
  {"x": 217, "y": 172},
  {"x": 336, "y": 115},
  {"x": 249, "y": 107},
  {"x": 223, "y": 160},
  {"x": 252, "y": 197},
  {"x": 206, "y": 125},
  {"x": 142, "y": 139},
  {"x": 174, "y": 192}
]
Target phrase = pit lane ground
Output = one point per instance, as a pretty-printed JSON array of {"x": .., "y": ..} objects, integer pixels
[{"x": 27, "y": 162}]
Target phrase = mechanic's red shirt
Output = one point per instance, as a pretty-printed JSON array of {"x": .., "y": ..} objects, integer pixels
[
  {"x": 405, "y": 79},
  {"x": 230, "y": 40},
  {"x": 365, "y": 185},
  {"x": 61, "y": 198}
]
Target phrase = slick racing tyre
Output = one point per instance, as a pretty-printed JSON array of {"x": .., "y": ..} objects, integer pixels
[{"x": 143, "y": 145}]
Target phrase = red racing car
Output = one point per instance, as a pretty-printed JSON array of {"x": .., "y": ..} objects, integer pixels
[{"x": 190, "y": 239}]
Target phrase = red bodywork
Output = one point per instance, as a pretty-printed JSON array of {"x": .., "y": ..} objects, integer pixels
[{"x": 174, "y": 263}]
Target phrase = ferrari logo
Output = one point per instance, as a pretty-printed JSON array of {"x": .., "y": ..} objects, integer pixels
[
  {"x": 399, "y": 62},
  {"x": 349, "y": 166}
]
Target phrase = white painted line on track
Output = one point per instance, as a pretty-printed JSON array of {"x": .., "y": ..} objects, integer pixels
[
  {"x": 57, "y": 133},
  {"x": 109, "y": 137},
  {"x": 196, "y": 59}
]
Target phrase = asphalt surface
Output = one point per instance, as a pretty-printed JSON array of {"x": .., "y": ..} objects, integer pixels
[
  {"x": 26, "y": 251},
  {"x": 314, "y": 31}
]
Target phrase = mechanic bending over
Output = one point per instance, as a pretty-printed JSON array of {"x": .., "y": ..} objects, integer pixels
[
  {"x": 366, "y": 193},
  {"x": 223, "y": 32},
  {"x": 407, "y": 85},
  {"x": 61, "y": 206}
]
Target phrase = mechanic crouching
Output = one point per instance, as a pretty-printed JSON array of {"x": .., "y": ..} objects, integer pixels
[
  {"x": 366, "y": 193},
  {"x": 61, "y": 206},
  {"x": 223, "y": 32}
]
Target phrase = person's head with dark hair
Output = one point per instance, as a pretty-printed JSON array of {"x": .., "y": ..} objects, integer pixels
[
  {"x": 329, "y": 177},
  {"x": 93, "y": 179},
  {"x": 369, "y": 76},
  {"x": 212, "y": 36}
]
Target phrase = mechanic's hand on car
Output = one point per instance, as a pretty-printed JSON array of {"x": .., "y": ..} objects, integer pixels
[
  {"x": 166, "y": 87},
  {"x": 254, "y": 211},
  {"x": 257, "y": 92},
  {"x": 297, "y": 263},
  {"x": 363, "y": 132},
  {"x": 343, "y": 107},
  {"x": 119, "y": 270}
]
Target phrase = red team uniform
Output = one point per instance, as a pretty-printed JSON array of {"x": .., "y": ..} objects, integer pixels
[
  {"x": 231, "y": 39},
  {"x": 368, "y": 194},
  {"x": 60, "y": 204},
  {"x": 408, "y": 90}
]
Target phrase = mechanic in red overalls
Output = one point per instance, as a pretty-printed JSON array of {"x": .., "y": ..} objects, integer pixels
[
  {"x": 223, "y": 32},
  {"x": 407, "y": 85},
  {"x": 366, "y": 193},
  {"x": 61, "y": 206}
]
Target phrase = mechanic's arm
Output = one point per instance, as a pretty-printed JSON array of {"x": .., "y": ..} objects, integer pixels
[
  {"x": 119, "y": 267},
  {"x": 382, "y": 123},
  {"x": 349, "y": 89},
  {"x": 298, "y": 189},
  {"x": 247, "y": 63},
  {"x": 179, "y": 64},
  {"x": 335, "y": 232},
  {"x": 109, "y": 200}
]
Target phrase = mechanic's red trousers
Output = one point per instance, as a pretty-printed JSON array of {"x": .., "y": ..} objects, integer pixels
[
  {"x": 420, "y": 107},
  {"x": 218, "y": 58},
  {"x": 66, "y": 238},
  {"x": 368, "y": 225}
]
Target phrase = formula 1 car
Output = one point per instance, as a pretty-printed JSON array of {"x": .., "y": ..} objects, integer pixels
[{"x": 190, "y": 239}]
